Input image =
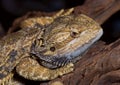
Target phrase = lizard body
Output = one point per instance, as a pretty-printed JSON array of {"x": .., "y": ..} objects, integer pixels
[{"x": 47, "y": 47}]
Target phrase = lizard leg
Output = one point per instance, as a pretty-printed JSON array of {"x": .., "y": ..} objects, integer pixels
[
  {"x": 30, "y": 22},
  {"x": 31, "y": 69},
  {"x": 6, "y": 80},
  {"x": 9, "y": 80},
  {"x": 14, "y": 81}
]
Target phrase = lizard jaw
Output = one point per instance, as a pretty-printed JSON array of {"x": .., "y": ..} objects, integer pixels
[{"x": 52, "y": 62}]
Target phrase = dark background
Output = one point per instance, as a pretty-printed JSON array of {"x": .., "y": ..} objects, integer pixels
[{"x": 11, "y": 9}]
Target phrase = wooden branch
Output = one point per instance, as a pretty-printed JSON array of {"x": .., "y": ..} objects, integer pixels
[
  {"x": 99, "y": 10},
  {"x": 101, "y": 64}
]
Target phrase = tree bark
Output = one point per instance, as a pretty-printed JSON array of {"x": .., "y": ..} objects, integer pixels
[{"x": 99, "y": 10}]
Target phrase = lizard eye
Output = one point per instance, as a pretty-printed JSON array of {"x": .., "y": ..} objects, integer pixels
[
  {"x": 52, "y": 49},
  {"x": 74, "y": 34}
]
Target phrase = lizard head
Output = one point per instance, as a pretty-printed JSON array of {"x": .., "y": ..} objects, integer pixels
[{"x": 66, "y": 39}]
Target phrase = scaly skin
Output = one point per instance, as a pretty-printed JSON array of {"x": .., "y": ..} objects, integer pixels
[
  {"x": 13, "y": 48},
  {"x": 16, "y": 46},
  {"x": 62, "y": 44},
  {"x": 47, "y": 47}
]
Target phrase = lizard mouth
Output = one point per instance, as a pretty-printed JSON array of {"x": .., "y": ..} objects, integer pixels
[
  {"x": 51, "y": 62},
  {"x": 71, "y": 55},
  {"x": 54, "y": 62}
]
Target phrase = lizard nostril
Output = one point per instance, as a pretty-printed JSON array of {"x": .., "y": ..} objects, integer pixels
[
  {"x": 52, "y": 49},
  {"x": 42, "y": 45}
]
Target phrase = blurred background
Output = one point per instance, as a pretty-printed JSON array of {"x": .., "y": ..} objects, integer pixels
[{"x": 12, "y": 9}]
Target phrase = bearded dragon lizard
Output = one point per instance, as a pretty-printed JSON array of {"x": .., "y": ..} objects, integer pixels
[{"x": 47, "y": 47}]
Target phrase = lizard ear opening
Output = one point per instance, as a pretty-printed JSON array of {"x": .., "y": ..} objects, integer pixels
[
  {"x": 52, "y": 49},
  {"x": 74, "y": 34}
]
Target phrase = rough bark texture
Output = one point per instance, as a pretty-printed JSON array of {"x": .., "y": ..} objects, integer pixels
[{"x": 101, "y": 64}]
